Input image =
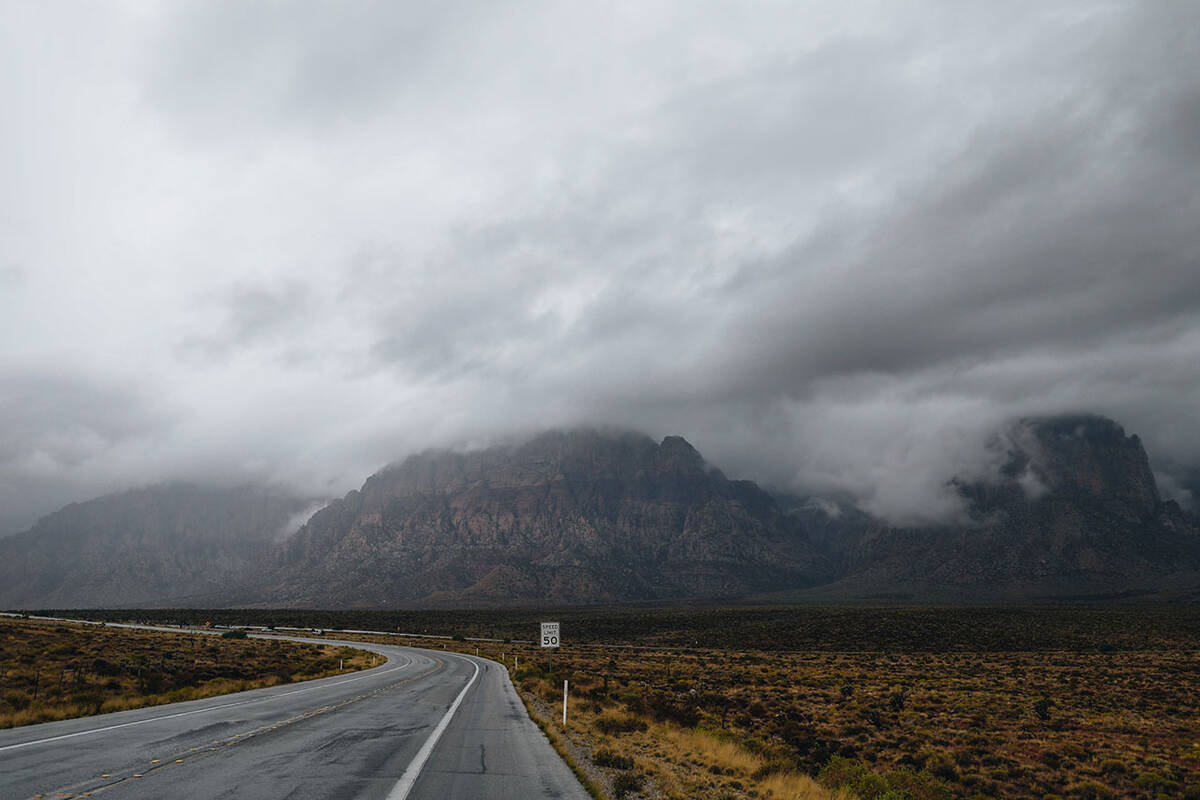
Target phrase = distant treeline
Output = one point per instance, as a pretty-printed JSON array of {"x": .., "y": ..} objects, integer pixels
[{"x": 774, "y": 628}]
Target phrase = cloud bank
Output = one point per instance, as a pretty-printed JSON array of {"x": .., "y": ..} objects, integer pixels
[{"x": 834, "y": 246}]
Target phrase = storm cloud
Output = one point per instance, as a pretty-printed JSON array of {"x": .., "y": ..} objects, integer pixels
[{"x": 833, "y": 246}]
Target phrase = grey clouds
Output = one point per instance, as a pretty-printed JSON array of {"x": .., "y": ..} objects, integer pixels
[{"x": 833, "y": 246}]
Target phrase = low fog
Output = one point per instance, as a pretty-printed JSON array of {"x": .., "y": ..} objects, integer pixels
[{"x": 835, "y": 247}]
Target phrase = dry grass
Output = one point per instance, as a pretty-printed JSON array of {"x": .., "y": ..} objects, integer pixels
[
  {"x": 52, "y": 671},
  {"x": 922, "y": 703},
  {"x": 755, "y": 724},
  {"x": 714, "y": 752},
  {"x": 790, "y": 786}
]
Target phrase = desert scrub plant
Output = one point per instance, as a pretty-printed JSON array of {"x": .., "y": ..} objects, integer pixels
[
  {"x": 607, "y": 758},
  {"x": 857, "y": 779},
  {"x": 98, "y": 670},
  {"x": 626, "y": 724},
  {"x": 1042, "y": 707},
  {"x": 626, "y": 783},
  {"x": 1090, "y": 790}
]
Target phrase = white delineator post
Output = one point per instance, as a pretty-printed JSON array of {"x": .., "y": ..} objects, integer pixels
[{"x": 564, "y": 704}]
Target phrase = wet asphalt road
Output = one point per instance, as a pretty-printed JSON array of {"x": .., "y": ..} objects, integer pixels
[{"x": 384, "y": 733}]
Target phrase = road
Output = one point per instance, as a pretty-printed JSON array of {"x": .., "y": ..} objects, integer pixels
[{"x": 425, "y": 724}]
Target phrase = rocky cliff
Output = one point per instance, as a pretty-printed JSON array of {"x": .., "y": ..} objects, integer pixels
[
  {"x": 157, "y": 545},
  {"x": 1074, "y": 512},
  {"x": 577, "y": 517},
  {"x": 587, "y": 516}
]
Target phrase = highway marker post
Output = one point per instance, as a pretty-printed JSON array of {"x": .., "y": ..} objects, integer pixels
[{"x": 564, "y": 703}]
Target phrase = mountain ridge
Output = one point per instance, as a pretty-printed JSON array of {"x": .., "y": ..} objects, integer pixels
[
  {"x": 144, "y": 545},
  {"x": 564, "y": 515},
  {"x": 595, "y": 515}
]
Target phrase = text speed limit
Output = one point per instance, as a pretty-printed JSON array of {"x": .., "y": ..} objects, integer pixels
[{"x": 550, "y": 636}]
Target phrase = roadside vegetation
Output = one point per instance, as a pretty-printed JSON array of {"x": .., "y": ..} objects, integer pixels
[
  {"x": 837, "y": 628},
  {"x": 52, "y": 671},
  {"x": 872, "y": 725},
  {"x": 884, "y": 703}
]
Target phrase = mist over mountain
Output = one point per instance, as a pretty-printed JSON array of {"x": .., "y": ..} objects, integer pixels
[
  {"x": 834, "y": 245},
  {"x": 575, "y": 517},
  {"x": 157, "y": 545},
  {"x": 1062, "y": 507},
  {"x": 1074, "y": 511}
]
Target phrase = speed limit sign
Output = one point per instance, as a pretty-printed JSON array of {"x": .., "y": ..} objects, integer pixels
[{"x": 550, "y": 634}]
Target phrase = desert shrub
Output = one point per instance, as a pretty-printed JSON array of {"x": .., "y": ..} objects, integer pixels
[
  {"x": 18, "y": 700},
  {"x": 235, "y": 633},
  {"x": 1090, "y": 790},
  {"x": 939, "y": 765},
  {"x": 773, "y": 767},
  {"x": 527, "y": 672},
  {"x": 801, "y": 737},
  {"x": 1152, "y": 781},
  {"x": 625, "y": 783},
  {"x": 626, "y": 724},
  {"x": 607, "y": 758},
  {"x": 671, "y": 708},
  {"x": 102, "y": 666},
  {"x": 1042, "y": 707},
  {"x": 150, "y": 683},
  {"x": 854, "y": 777},
  {"x": 87, "y": 700},
  {"x": 899, "y": 784}
]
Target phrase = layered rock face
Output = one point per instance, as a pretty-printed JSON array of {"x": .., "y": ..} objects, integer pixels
[
  {"x": 592, "y": 516},
  {"x": 1075, "y": 513},
  {"x": 158, "y": 545},
  {"x": 580, "y": 516}
]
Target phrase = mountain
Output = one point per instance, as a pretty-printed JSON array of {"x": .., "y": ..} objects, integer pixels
[
  {"x": 587, "y": 516},
  {"x": 157, "y": 545},
  {"x": 577, "y": 517},
  {"x": 1075, "y": 512}
]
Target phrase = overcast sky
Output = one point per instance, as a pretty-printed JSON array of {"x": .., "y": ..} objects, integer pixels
[{"x": 832, "y": 244}]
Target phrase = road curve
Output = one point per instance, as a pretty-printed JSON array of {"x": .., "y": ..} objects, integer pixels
[{"x": 424, "y": 725}]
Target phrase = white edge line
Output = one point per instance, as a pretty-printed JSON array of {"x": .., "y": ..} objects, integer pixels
[
  {"x": 413, "y": 770},
  {"x": 195, "y": 711}
]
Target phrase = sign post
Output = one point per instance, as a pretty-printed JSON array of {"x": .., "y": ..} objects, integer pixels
[{"x": 550, "y": 639}]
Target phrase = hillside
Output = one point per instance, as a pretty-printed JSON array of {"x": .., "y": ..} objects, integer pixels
[
  {"x": 1075, "y": 513},
  {"x": 156, "y": 545},
  {"x": 587, "y": 516},
  {"x": 576, "y": 517}
]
